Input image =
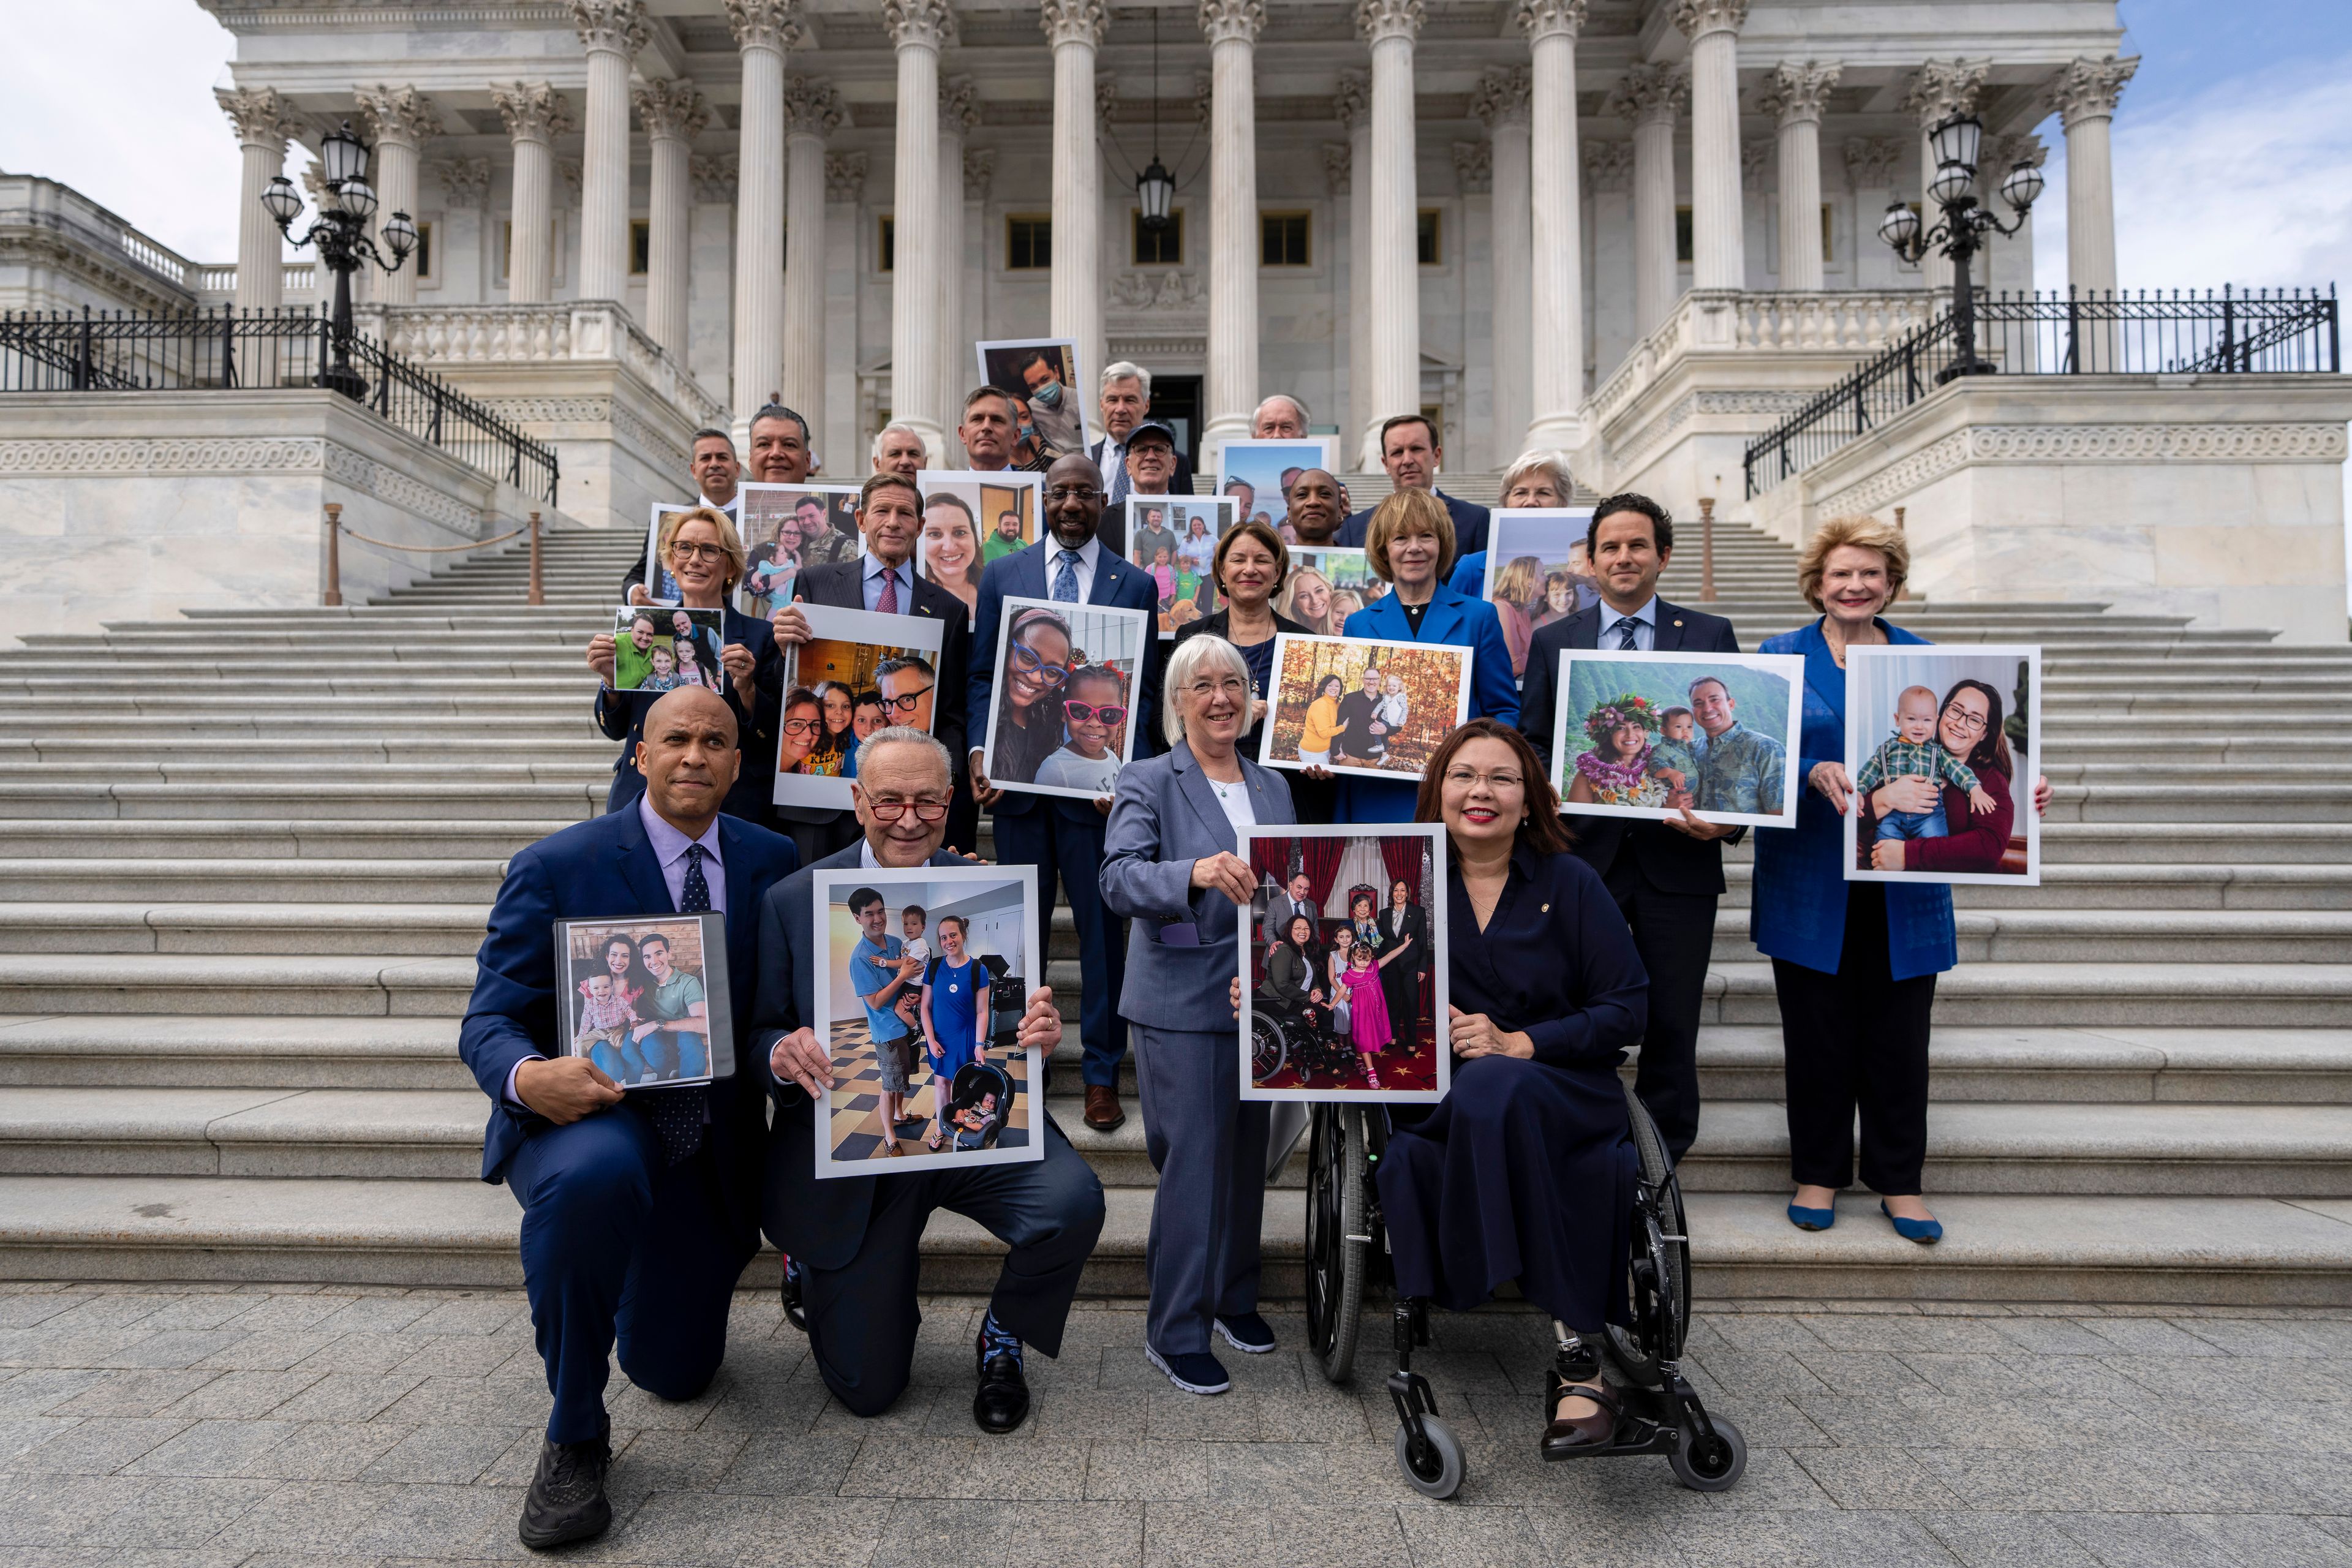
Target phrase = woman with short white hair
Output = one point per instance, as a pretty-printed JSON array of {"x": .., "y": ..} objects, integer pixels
[
  {"x": 1537, "y": 480},
  {"x": 1169, "y": 870}
]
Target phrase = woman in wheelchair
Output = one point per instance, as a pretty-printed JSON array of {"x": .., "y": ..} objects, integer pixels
[{"x": 1526, "y": 1170}]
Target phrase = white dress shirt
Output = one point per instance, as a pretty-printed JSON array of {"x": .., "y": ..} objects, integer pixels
[{"x": 1090, "y": 556}]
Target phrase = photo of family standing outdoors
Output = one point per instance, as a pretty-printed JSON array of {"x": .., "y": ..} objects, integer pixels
[
  {"x": 658, "y": 648},
  {"x": 1936, "y": 739},
  {"x": 1355, "y": 706},
  {"x": 1061, "y": 716},
  {"x": 1345, "y": 982},
  {"x": 1646, "y": 736},
  {"x": 1537, "y": 572},
  {"x": 1173, "y": 541},
  {"x": 647, "y": 999},
  {"x": 924, "y": 972}
]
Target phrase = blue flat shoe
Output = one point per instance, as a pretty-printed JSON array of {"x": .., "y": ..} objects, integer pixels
[
  {"x": 1926, "y": 1232},
  {"x": 1812, "y": 1219}
]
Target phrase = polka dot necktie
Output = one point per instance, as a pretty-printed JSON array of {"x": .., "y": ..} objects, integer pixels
[
  {"x": 884, "y": 602},
  {"x": 678, "y": 1113},
  {"x": 1066, "y": 581}
]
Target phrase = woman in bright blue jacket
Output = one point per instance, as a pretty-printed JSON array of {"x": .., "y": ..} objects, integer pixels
[
  {"x": 1409, "y": 544},
  {"x": 1854, "y": 964}
]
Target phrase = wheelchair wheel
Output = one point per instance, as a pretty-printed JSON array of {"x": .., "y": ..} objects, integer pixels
[
  {"x": 1661, "y": 1264},
  {"x": 1337, "y": 1177},
  {"x": 1710, "y": 1465},
  {"x": 1267, "y": 1052},
  {"x": 1437, "y": 1471}
]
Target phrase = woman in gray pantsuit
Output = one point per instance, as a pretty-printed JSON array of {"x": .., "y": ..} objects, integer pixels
[{"x": 1168, "y": 869}]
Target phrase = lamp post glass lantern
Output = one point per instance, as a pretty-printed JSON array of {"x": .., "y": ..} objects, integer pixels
[
  {"x": 1959, "y": 233},
  {"x": 339, "y": 234}
]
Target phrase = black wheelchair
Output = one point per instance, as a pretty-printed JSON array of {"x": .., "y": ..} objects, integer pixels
[
  {"x": 1304, "y": 1038},
  {"x": 1347, "y": 1247}
]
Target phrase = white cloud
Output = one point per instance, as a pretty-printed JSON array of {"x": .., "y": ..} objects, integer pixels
[{"x": 115, "y": 99}]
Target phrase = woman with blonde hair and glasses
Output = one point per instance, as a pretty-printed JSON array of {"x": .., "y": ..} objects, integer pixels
[
  {"x": 702, "y": 550},
  {"x": 1854, "y": 964}
]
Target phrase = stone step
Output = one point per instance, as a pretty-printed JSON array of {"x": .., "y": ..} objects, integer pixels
[
  {"x": 285, "y": 984},
  {"x": 458, "y": 798},
  {"x": 339, "y": 1135},
  {"x": 247, "y": 930},
  {"x": 330, "y": 838},
  {"x": 125, "y": 756},
  {"x": 258, "y": 881},
  {"x": 2242, "y": 1251},
  {"x": 241, "y": 1051},
  {"x": 2088, "y": 995}
]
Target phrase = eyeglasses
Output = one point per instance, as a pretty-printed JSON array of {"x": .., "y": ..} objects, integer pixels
[
  {"x": 907, "y": 703},
  {"x": 1034, "y": 663},
  {"x": 928, "y": 808},
  {"x": 1962, "y": 719},
  {"x": 803, "y": 726},
  {"x": 1208, "y": 688},
  {"x": 693, "y": 550},
  {"x": 1088, "y": 712},
  {"x": 1072, "y": 492},
  {"x": 1465, "y": 778}
]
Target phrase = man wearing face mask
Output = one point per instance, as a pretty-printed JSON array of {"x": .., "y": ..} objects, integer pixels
[
  {"x": 1061, "y": 423},
  {"x": 1065, "y": 836}
]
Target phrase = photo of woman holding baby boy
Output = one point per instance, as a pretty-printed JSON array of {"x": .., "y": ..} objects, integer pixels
[{"x": 1939, "y": 794}]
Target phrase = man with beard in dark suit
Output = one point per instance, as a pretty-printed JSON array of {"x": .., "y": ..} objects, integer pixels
[{"x": 1665, "y": 876}]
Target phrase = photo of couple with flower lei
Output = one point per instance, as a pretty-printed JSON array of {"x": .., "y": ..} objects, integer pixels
[{"x": 1661, "y": 735}]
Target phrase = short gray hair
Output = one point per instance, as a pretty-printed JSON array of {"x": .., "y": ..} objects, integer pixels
[
  {"x": 1299, "y": 405},
  {"x": 907, "y": 735},
  {"x": 1125, "y": 370},
  {"x": 1553, "y": 463},
  {"x": 908, "y": 431},
  {"x": 1184, "y": 665}
]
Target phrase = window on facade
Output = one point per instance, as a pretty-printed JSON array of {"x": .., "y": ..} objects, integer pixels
[
  {"x": 1829, "y": 240},
  {"x": 1682, "y": 234},
  {"x": 1161, "y": 247},
  {"x": 1283, "y": 239},
  {"x": 641, "y": 247},
  {"x": 1426, "y": 236},
  {"x": 886, "y": 246},
  {"x": 423, "y": 260},
  {"x": 1028, "y": 242}
]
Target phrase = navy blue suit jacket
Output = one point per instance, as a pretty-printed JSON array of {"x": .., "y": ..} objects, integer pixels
[
  {"x": 1022, "y": 575},
  {"x": 605, "y": 867},
  {"x": 1469, "y": 526},
  {"x": 1452, "y": 618}
]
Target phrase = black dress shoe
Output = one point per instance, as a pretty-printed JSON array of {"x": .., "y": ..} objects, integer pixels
[
  {"x": 1564, "y": 1437},
  {"x": 795, "y": 1313},
  {"x": 1001, "y": 1402},
  {"x": 567, "y": 1502}
]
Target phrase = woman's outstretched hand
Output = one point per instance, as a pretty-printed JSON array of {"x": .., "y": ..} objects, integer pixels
[
  {"x": 1475, "y": 1035},
  {"x": 1829, "y": 781}
]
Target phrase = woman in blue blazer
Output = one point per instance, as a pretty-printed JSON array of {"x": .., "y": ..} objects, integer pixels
[
  {"x": 704, "y": 553},
  {"x": 1169, "y": 870},
  {"x": 1410, "y": 546},
  {"x": 1854, "y": 964}
]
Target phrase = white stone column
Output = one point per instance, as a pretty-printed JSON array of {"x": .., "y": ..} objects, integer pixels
[
  {"x": 535, "y": 115},
  {"x": 1556, "y": 220},
  {"x": 1718, "y": 245},
  {"x": 1941, "y": 90},
  {"x": 1391, "y": 27},
  {"x": 2086, "y": 91},
  {"x": 763, "y": 30},
  {"x": 959, "y": 112},
  {"x": 263, "y": 121},
  {"x": 1649, "y": 98},
  {"x": 1231, "y": 28},
  {"x": 812, "y": 111},
  {"x": 1794, "y": 95},
  {"x": 1074, "y": 29},
  {"x": 919, "y": 30},
  {"x": 1500, "y": 103},
  {"x": 673, "y": 114},
  {"x": 612, "y": 31},
  {"x": 1353, "y": 106},
  {"x": 399, "y": 120}
]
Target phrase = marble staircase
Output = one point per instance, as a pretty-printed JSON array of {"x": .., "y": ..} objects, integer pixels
[{"x": 247, "y": 857}]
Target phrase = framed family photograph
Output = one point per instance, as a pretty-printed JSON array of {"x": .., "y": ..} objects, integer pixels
[
  {"x": 1050, "y": 393},
  {"x": 645, "y": 997},
  {"x": 786, "y": 528},
  {"x": 1326, "y": 586},
  {"x": 970, "y": 519},
  {"x": 922, "y": 974},
  {"x": 1173, "y": 540},
  {"x": 1644, "y": 735},
  {"x": 857, "y": 672},
  {"x": 661, "y": 647},
  {"x": 1344, "y": 965},
  {"x": 1256, "y": 474},
  {"x": 1537, "y": 572},
  {"x": 1377, "y": 710},
  {"x": 660, "y": 586},
  {"x": 1061, "y": 711},
  {"x": 1943, "y": 745}
]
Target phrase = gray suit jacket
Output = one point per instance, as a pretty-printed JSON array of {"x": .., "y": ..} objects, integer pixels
[{"x": 1164, "y": 817}]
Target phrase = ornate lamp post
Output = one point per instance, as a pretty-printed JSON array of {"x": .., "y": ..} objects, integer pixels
[
  {"x": 1960, "y": 235},
  {"x": 339, "y": 232}
]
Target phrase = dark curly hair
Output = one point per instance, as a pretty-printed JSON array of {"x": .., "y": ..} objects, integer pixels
[{"x": 1662, "y": 521}]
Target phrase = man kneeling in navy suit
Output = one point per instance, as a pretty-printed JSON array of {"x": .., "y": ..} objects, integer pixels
[
  {"x": 639, "y": 1207},
  {"x": 855, "y": 1240}
]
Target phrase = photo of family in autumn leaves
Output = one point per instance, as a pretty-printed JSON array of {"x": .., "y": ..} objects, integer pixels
[{"x": 1378, "y": 709}]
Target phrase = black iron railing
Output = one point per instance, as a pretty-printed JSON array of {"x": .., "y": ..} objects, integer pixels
[
  {"x": 212, "y": 350},
  {"x": 2054, "y": 334}
]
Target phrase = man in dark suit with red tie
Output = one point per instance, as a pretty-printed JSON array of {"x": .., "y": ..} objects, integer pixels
[{"x": 1665, "y": 876}]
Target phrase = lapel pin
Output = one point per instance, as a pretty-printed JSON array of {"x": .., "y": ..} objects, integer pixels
[
  {"x": 1678, "y": 623},
  {"x": 1545, "y": 910}
]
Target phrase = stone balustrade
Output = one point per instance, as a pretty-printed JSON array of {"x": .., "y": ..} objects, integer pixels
[{"x": 444, "y": 337}]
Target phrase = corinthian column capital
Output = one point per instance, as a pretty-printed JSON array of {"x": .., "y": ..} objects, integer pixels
[
  {"x": 1699, "y": 17},
  {"x": 2088, "y": 89},
  {"x": 1795, "y": 93},
  {"x": 979, "y": 171},
  {"x": 766, "y": 24},
  {"x": 919, "y": 23},
  {"x": 672, "y": 108},
  {"x": 619, "y": 26},
  {"x": 1352, "y": 102},
  {"x": 1381, "y": 20},
  {"x": 1501, "y": 97},
  {"x": 1543, "y": 18},
  {"x": 1473, "y": 167},
  {"x": 1941, "y": 88},
  {"x": 812, "y": 108},
  {"x": 260, "y": 115},
  {"x": 1649, "y": 92},
  {"x": 533, "y": 111},
  {"x": 715, "y": 178},
  {"x": 959, "y": 104},
  {"x": 845, "y": 176},
  {"x": 401, "y": 115},
  {"x": 1223, "y": 19},
  {"x": 1073, "y": 21}
]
